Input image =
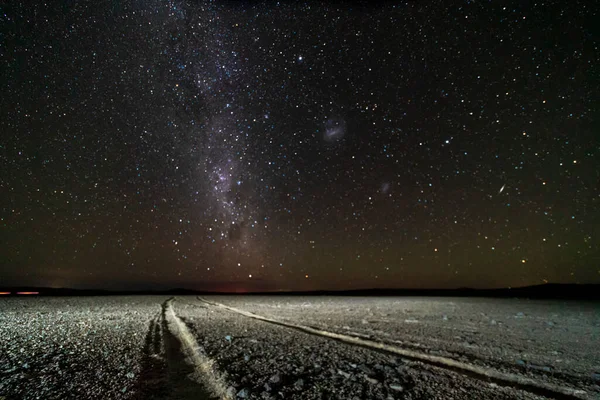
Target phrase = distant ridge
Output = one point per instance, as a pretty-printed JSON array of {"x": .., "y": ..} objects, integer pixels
[{"x": 546, "y": 291}]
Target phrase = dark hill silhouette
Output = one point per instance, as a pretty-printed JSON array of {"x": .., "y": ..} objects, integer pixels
[{"x": 546, "y": 291}]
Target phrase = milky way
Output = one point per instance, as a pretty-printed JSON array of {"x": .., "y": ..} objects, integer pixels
[
  {"x": 235, "y": 146},
  {"x": 210, "y": 63}
]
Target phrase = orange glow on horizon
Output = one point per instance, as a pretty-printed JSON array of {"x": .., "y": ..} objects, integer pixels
[
  {"x": 1, "y": 293},
  {"x": 28, "y": 292}
]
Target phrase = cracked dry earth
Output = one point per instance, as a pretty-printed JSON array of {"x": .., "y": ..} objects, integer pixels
[{"x": 191, "y": 348}]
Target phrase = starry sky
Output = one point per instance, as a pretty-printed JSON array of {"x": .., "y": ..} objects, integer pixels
[{"x": 245, "y": 146}]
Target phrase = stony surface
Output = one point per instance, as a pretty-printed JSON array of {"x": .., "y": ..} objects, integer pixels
[
  {"x": 265, "y": 361},
  {"x": 67, "y": 348},
  {"x": 121, "y": 347},
  {"x": 552, "y": 341}
]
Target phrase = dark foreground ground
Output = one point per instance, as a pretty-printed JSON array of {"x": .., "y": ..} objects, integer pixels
[{"x": 309, "y": 348}]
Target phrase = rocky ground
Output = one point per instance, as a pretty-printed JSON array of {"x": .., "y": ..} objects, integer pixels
[
  {"x": 551, "y": 341},
  {"x": 67, "y": 348},
  {"x": 151, "y": 348}
]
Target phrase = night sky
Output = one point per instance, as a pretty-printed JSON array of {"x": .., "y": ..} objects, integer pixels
[{"x": 278, "y": 146}]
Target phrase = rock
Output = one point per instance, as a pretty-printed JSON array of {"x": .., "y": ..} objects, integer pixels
[
  {"x": 396, "y": 387},
  {"x": 275, "y": 378},
  {"x": 521, "y": 362},
  {"x": 364, "y": 321},
  {"x": 228, "y": 338},
  {"x": 299, "y": 383},
  {"x": 493, "y": 322},
  {"x": 372, "y": 381},
  {"x": 230, "y": 391},
  {"x": 246, "y": 358},
  {"x": 366, "y": 370},
  {"x": 244, "y": 393},
  {"x": 519, "y": 315},
  {"x": 130, "y": 375},
  {"x": 445, "y": 318},
  {"x": 267, "y": 387},
  {"x": 540, "y": 367},
  {"x": 343, "y": 373}
]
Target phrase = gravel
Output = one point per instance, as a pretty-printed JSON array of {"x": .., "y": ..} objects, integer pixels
[
  {"x": 550, "y": 341},
  {"x": 62, "y": 348},
  {"x": 121, "y": 347},
  {"x": 289, "y": 364}
]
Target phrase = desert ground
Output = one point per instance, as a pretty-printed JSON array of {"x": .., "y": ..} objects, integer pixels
[{"x": 293, "y": 347}]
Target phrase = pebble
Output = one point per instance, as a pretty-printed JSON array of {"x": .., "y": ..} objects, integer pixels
[
  {"x": 540, "y": 367},
  {"x": 366, "y": 369},
  {"x": 275, "y": 378},
  {"x": 344, "y": 373}
]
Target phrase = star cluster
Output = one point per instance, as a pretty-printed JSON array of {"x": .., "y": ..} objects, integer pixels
[{"x": 283, "y": 146}]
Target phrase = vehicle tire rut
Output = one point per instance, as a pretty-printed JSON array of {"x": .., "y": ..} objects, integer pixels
[
  {"x": 472, "y": 371},
  {"x": 168, "y": 371},
  {"x": 152, "y": 382}
]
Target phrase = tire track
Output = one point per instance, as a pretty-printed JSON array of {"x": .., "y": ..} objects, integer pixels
[
  {"x": 152, "y": 382},
  {"x": 174, "y": 366},
  {"x": 468, "y": 356},
  {"x": 212, "y": 383},
  {"x": 484, "y": 374}
]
